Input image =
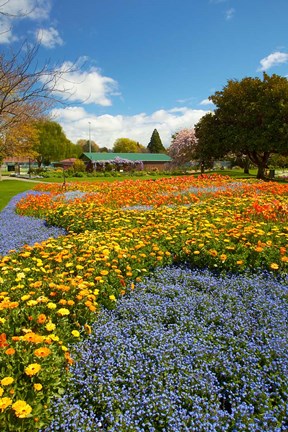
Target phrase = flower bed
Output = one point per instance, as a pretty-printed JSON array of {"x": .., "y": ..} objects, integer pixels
[
  {"x": 53, "y": 291},
  {"x": 187, "y": 351}
]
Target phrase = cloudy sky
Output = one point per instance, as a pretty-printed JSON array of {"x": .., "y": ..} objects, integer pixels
[{"x": 137, "y": 65}]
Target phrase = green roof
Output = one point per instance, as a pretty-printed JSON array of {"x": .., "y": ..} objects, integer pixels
[{"x": 144, "y": 157}]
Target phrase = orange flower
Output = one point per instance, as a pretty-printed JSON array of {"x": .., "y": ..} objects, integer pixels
[
  {"x": 32, "y": 337},
  {"x": 42, "y": 352},
  {"x": 10, "y": 351},
  {"x": 41, "y": 319},
  {"x": 3, "y": 340}
]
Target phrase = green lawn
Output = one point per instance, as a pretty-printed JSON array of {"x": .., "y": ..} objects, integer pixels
[{"x": 10, "y": 188}]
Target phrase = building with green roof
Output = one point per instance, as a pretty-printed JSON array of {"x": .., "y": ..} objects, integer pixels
[{"x": 147, "y": 160}]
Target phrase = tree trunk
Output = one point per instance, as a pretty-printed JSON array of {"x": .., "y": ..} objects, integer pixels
[
  {"x": 260, "y": 160},
  {"x": 246, "y": 165},
  {"x": 261, "y": 172}
]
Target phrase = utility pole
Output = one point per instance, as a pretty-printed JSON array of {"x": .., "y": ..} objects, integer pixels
[{"x": 89, "y": 137}]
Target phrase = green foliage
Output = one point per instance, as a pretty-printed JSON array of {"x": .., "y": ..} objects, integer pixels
[
  {"x": 126, "y": 145},
  {"x": 155, "y": 145},
  {"x": 79, "y": 166},
  {"x": 53, "y": 144},
  {"x": 251, "y": 118}
]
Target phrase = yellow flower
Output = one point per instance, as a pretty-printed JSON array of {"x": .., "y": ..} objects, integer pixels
[
  {"x": 112, "y": 297},
  {"x": 87, "y": 328},
  {"x": 4, "y": 403},
  {"x": 21, "y": 408},
  {"x": 50, "y": 326},
  {"x": 274, "y": 266},
  {"x": 63, "y": 312},
  {"x": 32, "y": 303},
  {"x": 51, "y": 305},
  {"x": 7, "y": 381},
  {"x": 37, "y": 386},
  {"x": 54, "y": 337},
  {"x": 196, "y": 252},
  {"x": 75, "y": 333},
  {"x": 32, "y": 369},
  {"x": 64, "y": 348},
  {"x": 1, "y": 391},
  {"x": 2, "y": 320},
  {"x": 104, "y": 272}
]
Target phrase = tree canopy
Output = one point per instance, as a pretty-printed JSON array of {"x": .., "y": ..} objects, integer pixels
[
  {"x": 155, "y": 144},
  {"x": 251, "y": 118},
  {"x": 52, "y": 145},
  {"x": 127, "y": 145}
]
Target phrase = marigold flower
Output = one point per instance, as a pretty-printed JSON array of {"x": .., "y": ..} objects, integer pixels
[
  {"x": 21, "y": 408},
  {"x": 50, "y": 326},
  {"x": 1, "y": 391},
  {"x": 104, "y": 272},
  {"x": 32, "y": 337},
  {"x": 75, "y": 333},
  {"x": 3, "y": 340},
  {"x": 37, "y": 386},
  {"x": 32, "y": 369},
  {"x": 7, "y": 381},
  {"x": 32, "y": 303},
  {"x": 41, "y": 319},
  {"x": 87, "y": 328},
  {"x": 274, "y": 266},
  {"x": 10, "y": 351},
  {"x": 4, "y": 403},
  {"x": 63, "y": 312},
  {"x": 42, "y": 352}
]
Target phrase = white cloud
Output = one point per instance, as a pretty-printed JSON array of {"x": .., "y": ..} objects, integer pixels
[
  {"x": 6, "y": 35},
  {"x": 49, "y": 37},
  {"x": 229, "y": 14},
  {"x": 85, "y": 86},
  {"x": 273, "y": 59},
  {"x": 32, "y": 9},
  {"x": 206, "y": 102},
  {"x": 105, "y": 129},
  {"x": 12, "y": 10}
]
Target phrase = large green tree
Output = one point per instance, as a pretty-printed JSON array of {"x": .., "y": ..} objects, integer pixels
[
  {"x": 251, "y": 118},
  {"x": 127, "y": 145},
  {"x": 155, "y": 144},
  {"x": 53, "y": 145}
]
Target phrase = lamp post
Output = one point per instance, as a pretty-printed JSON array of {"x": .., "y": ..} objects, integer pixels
[{"x": 89, "y": 137}]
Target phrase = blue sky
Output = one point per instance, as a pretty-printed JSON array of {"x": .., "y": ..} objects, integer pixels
[{"x": 145, "y": 64}]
